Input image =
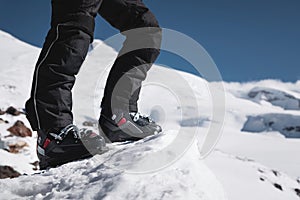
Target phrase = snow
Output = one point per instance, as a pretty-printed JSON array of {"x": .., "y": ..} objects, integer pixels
[
  {"x": 275, "y": 97},
  {"x": 253, "y": 159},
  {"x": 102, "y": 177},
  {"x": 246, "y": 179},
  {"x": 287, "y": 125}
]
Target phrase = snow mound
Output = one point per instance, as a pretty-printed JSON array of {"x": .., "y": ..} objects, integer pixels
[
  {"x": 109, "y": 176},
  {"x": 287, "y": 125},
  {"x": 275, "y": 97}
]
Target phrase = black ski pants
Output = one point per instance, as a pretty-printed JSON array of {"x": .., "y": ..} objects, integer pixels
[{"x": 66, "y": 46}]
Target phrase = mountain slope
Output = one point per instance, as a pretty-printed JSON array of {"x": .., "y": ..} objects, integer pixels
[
  {"x": 107, "y": 176},
  {"x": 247, "y": 163}
]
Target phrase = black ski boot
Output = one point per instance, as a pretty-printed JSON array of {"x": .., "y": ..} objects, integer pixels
[
  {"x": 55, "y": 148},
  {"x": 124, "y": 126}
]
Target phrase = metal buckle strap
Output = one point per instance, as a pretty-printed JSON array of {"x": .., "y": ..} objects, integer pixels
[{"x": 64, "y": 132}]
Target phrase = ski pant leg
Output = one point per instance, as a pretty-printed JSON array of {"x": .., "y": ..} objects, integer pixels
[
  {"x": 135, "y": 58},
  {"x": 64, "y": 50}
]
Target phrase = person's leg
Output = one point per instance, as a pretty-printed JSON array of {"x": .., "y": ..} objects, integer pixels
[
  {"x": 130, "y": 68},
  {"x": 64, "y": 50},
  {"x": 49, "y": 107},
  {"x": 119, "y": 120}
]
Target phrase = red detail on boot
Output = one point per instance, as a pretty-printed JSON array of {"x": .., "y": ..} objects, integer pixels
[
  {"x": 121, "y": 122},
  {"x": 92, "y": 135},
  {"x": 46, "y": 143}
]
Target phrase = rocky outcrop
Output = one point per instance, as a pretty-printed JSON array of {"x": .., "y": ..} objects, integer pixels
[
  {"x": 275, "y": 97},
  {"x": 286, "y": 124},
  {"x": 13, "y": 111},
  {"x": 17, "y": 147},
  {"x": 19, "y": 129},
  {"x": 8, "y": 172}
]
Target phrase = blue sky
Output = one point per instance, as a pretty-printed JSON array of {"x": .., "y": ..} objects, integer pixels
[{"x": 248, "y": 39}]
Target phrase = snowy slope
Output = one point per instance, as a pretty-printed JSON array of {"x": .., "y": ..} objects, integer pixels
[
  {"x": 269, "y": 147},
  {"x": 249, "y": 162},
  {"x": 18, "y": 59},
  {"x": 109, "y": 176},
  {"x": 101, "y": 178}
]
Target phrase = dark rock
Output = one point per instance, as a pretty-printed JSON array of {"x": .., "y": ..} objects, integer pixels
[
  {"x": 290, "y": 128},
  {"x": 261, "y": 178},
  {"x": 13, "y": 111},
  {"x": 19, "y": 129},
  {"x": 8, "y": 172},
  {"x": 279, "y": 187},
  {"x": 276, "y": 173},
  {"x": 3, "y": 121},
  {"x": 17, "y": 147},
  {"x": 297, "y": 190},
  {"x": 35, "y": 164}
]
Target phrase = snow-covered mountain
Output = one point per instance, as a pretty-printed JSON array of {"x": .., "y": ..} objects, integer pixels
[{"x": 256, "y": 157}]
